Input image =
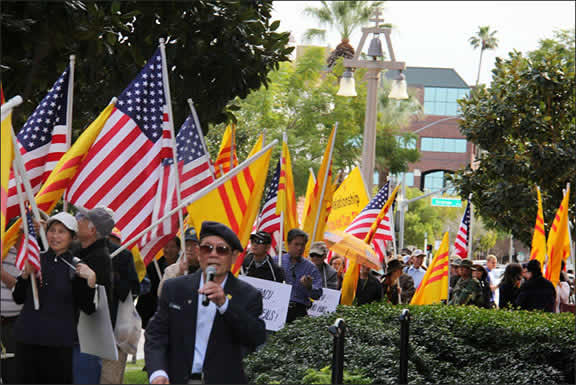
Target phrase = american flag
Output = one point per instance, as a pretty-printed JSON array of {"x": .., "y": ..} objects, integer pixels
[
  {"x": 461, "y": 242},
  {"x": 122, "y": 170},
  {"x": 29, "y": 249},
  {"x": 42, "y": 140},
  {"x": 194, "y": 174},
  {"x": 360, "y": 226},
  {"x": 268, "y": 220}
]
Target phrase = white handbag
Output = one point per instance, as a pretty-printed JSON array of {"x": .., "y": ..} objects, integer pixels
[{"x": 128, "y": 326}]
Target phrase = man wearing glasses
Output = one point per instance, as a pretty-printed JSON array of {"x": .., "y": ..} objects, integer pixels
[
  {"x": 258, "y": 263},
  {"x": 202, "y": 328},
  {"x": 301, "y": 274},
  {"x": 318, "y": 252}
]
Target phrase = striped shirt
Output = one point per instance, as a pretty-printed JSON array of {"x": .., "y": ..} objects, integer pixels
[{"x": 9, "y": 308}]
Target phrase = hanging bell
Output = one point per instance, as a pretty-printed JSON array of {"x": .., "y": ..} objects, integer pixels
[{"x": 375, "y": 49}]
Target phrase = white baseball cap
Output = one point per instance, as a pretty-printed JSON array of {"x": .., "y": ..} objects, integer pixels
[{"x": 66, "y": 219}]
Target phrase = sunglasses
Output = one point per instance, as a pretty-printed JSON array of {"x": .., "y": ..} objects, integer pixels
[
  {"x": 221, "y": 250},
  {"x": 259, "y": 241}
]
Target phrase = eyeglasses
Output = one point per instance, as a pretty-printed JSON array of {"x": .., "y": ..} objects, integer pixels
[
  {"x": 221, "y": 250},
  {"x": 259, "y": 241}
]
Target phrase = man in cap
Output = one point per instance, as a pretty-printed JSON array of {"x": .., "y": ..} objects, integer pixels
[
  {"x": 301, "y": 274},
  {"x": 318, "y": 252},
  {"x": 203, "y": 328},
  {"x": 468, "y": 290},
  {"x": 187, "y": 265},
  {"x": 94, "y": 226},
  {"x": 258, "y": 263},
  {"x": 416, "y": 271},
  {"x": 454, "y": 274}
]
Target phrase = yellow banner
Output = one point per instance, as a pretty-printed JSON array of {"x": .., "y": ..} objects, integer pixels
[{"x": 349, "y": 199}]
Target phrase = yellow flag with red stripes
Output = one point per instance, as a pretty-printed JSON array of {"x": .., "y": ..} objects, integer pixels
[
  {"x": 309, "y": 191},
  {"x": 286, "y": 192},
  {"x": 434, "y": 285},
  {"x": 538, "y": 250},
  {"x": 316, "y": 215},
  {"x": 61, "y": 176},
  {"x": 226, "y": 159},
  {"x": 7, "y": 155},
  {"x": 558, "y": 241},
  {"x": 235, "y": 203}
]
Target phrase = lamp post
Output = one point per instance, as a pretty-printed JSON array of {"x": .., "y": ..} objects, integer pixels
[{"x": 374, "y": 66}]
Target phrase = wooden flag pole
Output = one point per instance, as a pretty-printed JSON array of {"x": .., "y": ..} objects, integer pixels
[
  {"x": 172, "y": 140},
  {"x": 324, "y": 182},
  {"x": 69, "y": 107},
  {"x": 18, "y": 180}
]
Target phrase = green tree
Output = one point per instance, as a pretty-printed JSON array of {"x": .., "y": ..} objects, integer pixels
[
  {"x": 301, "y": 100},
  {"x": 526, "y": 123},
  {"x": 216, "y": 51},
  {"x": 344, "y": 17},
  {"x": 484, "y": 39}
]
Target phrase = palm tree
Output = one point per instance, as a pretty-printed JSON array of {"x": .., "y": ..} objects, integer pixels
[
  {"x": 345, "y": 17},
  {"x": 485, "y": 39}
]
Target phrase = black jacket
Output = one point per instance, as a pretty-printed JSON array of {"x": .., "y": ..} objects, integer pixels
[
  {"x": 97, "y": 257},
  {"x": 146, "y": 305},
  {"x": 124, "y": 278},
  {"x": 537, "y": 293},
  {"x": 171, "y": 333},
  {"x": 507, "y": 295},
  {"x": 61, "y": 295},
  {"x": 368, "y": 290},
  {"x": 269, "y": 270}
]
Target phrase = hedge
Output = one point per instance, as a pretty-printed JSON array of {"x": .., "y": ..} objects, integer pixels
[{"x": 449, "y": 344}]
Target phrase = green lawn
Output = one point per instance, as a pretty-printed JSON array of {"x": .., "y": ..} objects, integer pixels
[{"x": 134, "y": 373}]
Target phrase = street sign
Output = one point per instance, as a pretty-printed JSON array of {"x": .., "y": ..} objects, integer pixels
[{"x": 446, "y": 202}]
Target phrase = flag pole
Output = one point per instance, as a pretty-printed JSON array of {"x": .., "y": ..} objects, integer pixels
[
  {"x": 18, "y": 180},
  {"x": 324, "y": 182},
  {"x": 393, "y": 225},
  {"x": 470, "y": 229},
  {"x": 19, "y": 163},
  {"x": 172, "y": 139},
  {"x": 69, "y": 107},
  {"x": 197, "y": 195},
  {"x": 200, "y": 134}
]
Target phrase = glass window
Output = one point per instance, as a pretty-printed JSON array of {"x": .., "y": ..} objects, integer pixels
[
  {"x": 435, "y": 181},
  {"x": 442, "y": 145},
  {"x": 443, "y": 101},
  {"x": 409, "y": 143},
  {"x": 409, "y": 178}
]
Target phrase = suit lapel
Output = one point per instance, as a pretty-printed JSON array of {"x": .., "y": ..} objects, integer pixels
[{"x": 191, "y": 311}]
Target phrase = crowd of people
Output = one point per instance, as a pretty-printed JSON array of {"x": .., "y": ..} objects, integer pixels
[{"x": 193, "y": 309}]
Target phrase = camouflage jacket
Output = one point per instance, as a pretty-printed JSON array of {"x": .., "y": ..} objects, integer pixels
[{"x": 466, "y": 292}]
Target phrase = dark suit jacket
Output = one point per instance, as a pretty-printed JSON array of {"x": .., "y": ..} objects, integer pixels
[{"x": 171, "y": 333}]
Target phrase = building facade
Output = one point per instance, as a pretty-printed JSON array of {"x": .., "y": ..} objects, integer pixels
[{"x": 443, "y": 149}]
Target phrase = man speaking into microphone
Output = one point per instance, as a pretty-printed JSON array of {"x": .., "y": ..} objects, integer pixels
[{"x": 205, "y": 322}]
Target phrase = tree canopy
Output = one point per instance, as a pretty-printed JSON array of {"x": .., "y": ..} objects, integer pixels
[
  {"x": 216, "y": 51},
  {"x": 526, "y": 123}
]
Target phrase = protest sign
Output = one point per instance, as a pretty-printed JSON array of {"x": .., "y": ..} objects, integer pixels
[
  {"x": 275, "y": 297},
  {"x": 325, "y": 304}
]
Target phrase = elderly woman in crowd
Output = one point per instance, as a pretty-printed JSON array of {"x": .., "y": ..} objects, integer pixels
[{"x": 45, "y": 337}]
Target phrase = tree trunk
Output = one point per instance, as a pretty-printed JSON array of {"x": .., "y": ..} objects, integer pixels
[{"x": 479, "y": 66}]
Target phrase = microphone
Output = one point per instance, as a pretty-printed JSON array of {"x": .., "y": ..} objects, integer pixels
[
  {"x": 210, "y": 272},
  {"x": 76, "y": 261}
]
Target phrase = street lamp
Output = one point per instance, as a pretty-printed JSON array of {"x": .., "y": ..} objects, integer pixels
[{"x": 373, "y": 67}]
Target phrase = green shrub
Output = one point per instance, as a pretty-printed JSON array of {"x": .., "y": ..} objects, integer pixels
[{"x": 447, "y": 345}]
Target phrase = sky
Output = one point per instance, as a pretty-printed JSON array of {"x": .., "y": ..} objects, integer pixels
[{"x": 436, "y": 33}]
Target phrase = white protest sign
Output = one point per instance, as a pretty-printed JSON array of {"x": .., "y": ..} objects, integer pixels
[
  {"x": 325, "y": 304},
  {"x": 275, "y": 298}
]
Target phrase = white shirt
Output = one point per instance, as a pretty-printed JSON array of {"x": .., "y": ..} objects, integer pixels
[
  {"x": 204, "y": 320},
  {"x": 416, "y": 274}
]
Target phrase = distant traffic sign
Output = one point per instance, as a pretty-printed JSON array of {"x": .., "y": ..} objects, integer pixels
[{"x": 446, "y": 202}]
